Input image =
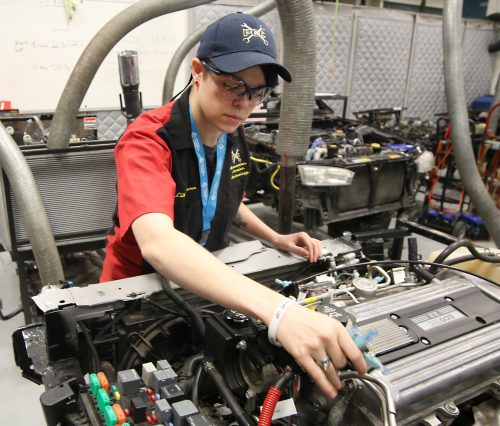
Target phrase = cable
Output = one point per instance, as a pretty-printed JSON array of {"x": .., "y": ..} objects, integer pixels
[
  {"x": 95, "y": 356},
  {"x": 115, "y": 320},
  {"x": 276, "y": 187},
  {"x": 164, "y": 308},
  {"x": 386, "y": 276},
  {"x": 271, "y": 179},
  {"x": 196, "y": 385},
  {"x": 242, "y": 417},
  {"x": 130, "y": 356},
  {"x": 462, "y": 243},
  {"x": 272, "y": 397},
  {"x": 193, "y": 314},
  {"x": 399, "y": 262},
  {"x": 11, "y": 315}
]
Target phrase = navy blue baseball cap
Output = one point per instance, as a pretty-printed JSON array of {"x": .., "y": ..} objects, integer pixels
[{"x": 239, "y": 41}]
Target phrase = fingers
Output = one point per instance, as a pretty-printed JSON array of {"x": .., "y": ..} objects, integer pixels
[
  {"x": 321, "y": 345},
  {"x": 308, "y": 247},
  {"x": 327, "y": 381},
  {"x": 352, "y": 352}
]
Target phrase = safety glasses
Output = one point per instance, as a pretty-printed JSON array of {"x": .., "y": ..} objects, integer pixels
[{"x": 234, "y": 87}]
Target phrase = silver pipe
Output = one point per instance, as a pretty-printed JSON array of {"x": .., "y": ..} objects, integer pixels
[
  {"x": 390, "y": 417},
  {"x": 186, "y": 46},
  {"x": 32, "y": 210},
  {"x": 95, "y": 53},
  {"x": 459, "y": 119}
]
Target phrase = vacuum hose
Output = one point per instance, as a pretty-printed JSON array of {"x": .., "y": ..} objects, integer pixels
[
  {"x": 95, "y": 53},
  {"x": 457, "y": 110},
  {"x": 31, "y": 209},
  {"x": 297, "y": 21}
]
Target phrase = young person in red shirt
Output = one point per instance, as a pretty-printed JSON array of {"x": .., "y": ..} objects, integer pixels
[{"x": 182, "y": 170}]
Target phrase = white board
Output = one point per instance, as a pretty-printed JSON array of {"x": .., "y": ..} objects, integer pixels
[{"x": 39, "y": 47}]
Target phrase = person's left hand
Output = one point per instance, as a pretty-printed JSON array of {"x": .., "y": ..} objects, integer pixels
[{"x": 299, "y": 243}]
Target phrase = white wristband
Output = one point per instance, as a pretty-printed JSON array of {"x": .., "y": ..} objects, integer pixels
[{"x": 275, "y": 320}]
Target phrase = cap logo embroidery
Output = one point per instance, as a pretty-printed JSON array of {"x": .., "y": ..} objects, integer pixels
[{"x": 249, "y": 32}]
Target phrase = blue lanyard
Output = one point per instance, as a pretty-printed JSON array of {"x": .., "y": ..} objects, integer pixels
[{"x": 208, "y": 196}]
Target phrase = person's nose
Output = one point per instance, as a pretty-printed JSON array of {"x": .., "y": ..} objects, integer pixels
[{"x": 242, "y": 102}]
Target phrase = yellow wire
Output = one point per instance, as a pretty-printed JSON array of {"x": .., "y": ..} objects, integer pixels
[
  {"x": 276, "y": 187},
  {"x": 271, "y": 180},
  {"x": 260, "y": 160}
]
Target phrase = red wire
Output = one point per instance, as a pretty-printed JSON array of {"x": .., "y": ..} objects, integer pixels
[{"x": 266, "y": 414}]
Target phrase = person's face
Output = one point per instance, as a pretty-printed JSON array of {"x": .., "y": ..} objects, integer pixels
[{"x": 226, "y": 101}]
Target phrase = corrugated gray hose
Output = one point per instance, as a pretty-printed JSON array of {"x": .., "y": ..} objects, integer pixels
[
  {"x": 457, "y": 110},
  {"x": 94, "y": 54},
  {"x": 495, "y": 115},
  {"x": 32, "y": 210},
  {"x": 298, "y": 29},
  {"x": 186, "y": 46}
]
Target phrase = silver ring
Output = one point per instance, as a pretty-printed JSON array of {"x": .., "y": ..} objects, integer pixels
[{"x": 325, "y": 362}]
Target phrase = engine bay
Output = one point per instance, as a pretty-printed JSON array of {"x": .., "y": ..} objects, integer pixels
[{"x": 143, "y": 351}]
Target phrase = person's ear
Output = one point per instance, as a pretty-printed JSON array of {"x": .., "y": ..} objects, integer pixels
[{"x": 196, "y": 70}]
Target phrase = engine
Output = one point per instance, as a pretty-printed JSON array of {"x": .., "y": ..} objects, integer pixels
[{"x": 141, "y": 351}]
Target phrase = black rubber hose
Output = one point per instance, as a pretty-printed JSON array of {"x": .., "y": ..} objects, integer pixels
[
  {"x": 196, "y": 385},
  {"x": 190, "y": 363},
  {"x": 456, "y": 245},
  {"x": 283, "y": 380},
  {"x": 241, "y": 416},
  {"x": 96, "y": 364},
  {"x": 422, "y": 273},
  {"x": 198, "y": 323}
]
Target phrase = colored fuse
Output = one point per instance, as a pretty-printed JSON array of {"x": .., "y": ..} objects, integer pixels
[
  {"x": 94, "y": 383},
  {"x": 102, "y": 399},
  {"x": 103, "y": 380},
  {"x": 120, "y": 415},
  {"x": 110, "y": 418},
  {"x": 117, "y": 395}
]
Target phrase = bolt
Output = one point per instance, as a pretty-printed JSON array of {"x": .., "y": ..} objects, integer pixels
[
  {"x": 241, "y": 345},
  {"x": 347, "y": 235},
  {"x": 451, "y": 408},
  {"x": 249, "y": 394}
]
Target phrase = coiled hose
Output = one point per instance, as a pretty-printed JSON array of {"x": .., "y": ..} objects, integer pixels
[{"x": 272, "y": 397}]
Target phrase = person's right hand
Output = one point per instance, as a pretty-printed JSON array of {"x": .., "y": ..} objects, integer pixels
[{"x": 310, "y": 337}]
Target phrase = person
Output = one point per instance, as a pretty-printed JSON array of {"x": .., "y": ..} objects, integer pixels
[{"x": 181, "y": 174}]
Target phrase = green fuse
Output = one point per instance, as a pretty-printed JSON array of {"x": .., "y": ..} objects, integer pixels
[
  {"x": 110, "y": 418},
  {"x": 102, "y": 399},
  {"x": 94, "y": 383}
]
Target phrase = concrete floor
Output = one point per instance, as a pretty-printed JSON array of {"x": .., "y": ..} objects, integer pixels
[{"x": 23, "y": 407}]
